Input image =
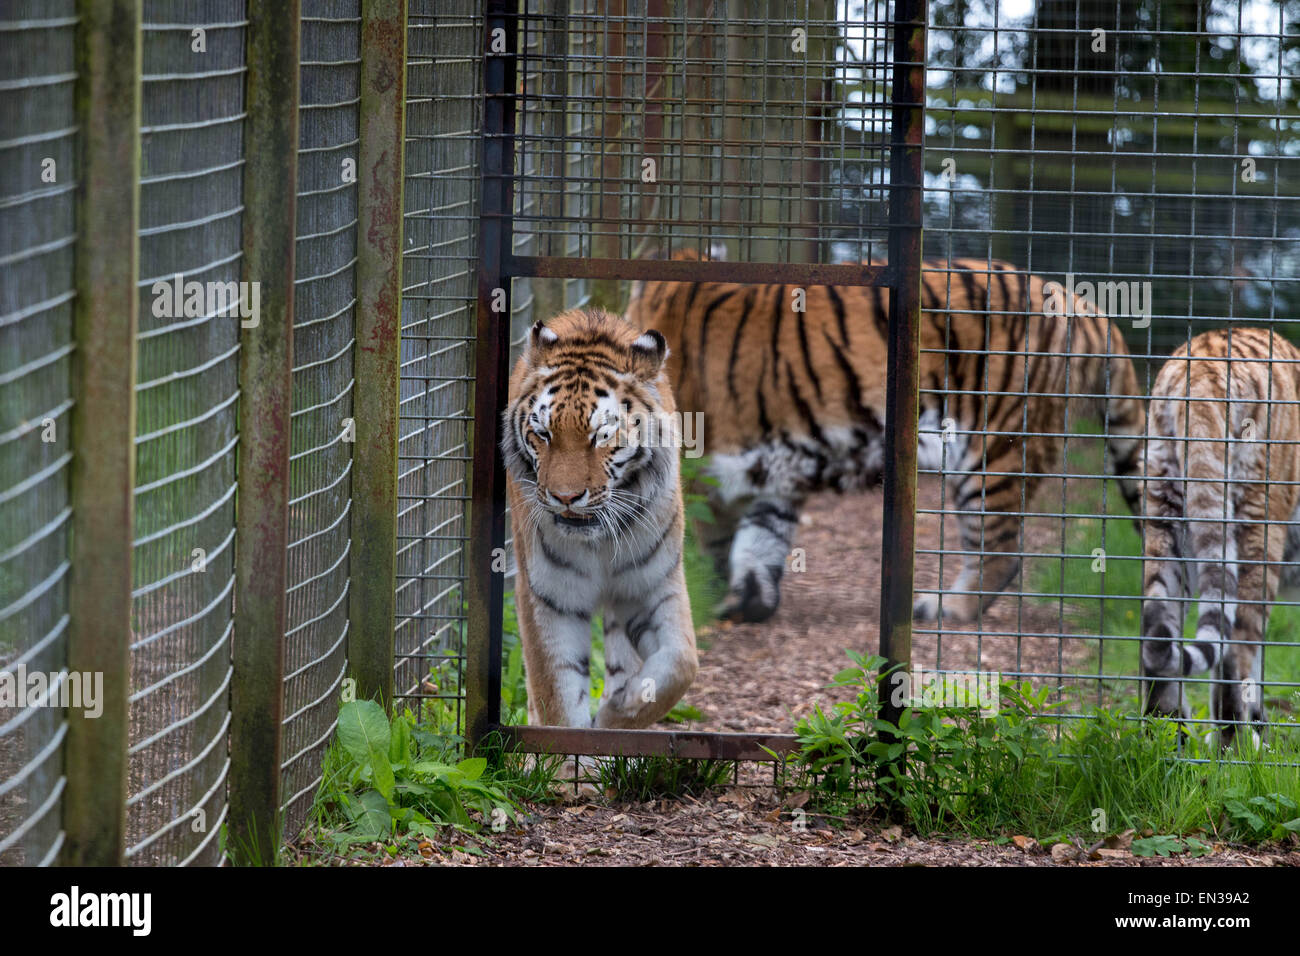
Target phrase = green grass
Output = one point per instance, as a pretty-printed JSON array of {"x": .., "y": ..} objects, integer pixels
[
  {"x": 1029, "y": 770},
  {"x": 638, "y": 779}
]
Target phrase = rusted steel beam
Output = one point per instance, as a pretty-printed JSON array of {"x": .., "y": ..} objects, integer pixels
[
  {"x": 265, "y": 408},
  {"x": 898, "y": 539},
  {"x": 686, "y": 270},
  {"x": 485, "y": 586},
  {"x": 103, "y": 426},
  {"x": 649, "y": 743},
  {"x": 377, "y": 359}
]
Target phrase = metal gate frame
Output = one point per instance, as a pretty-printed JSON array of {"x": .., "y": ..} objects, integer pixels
[{"x": 498, "y": 266}]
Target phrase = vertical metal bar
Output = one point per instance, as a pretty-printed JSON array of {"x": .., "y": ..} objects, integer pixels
[
  {"x": 373, "y": 602},
  {"x": 901, "y": 402},
  {"x": 606, "y": 241},
  {"x": 491, "y": 374},
  {"x": 103, "y": 426},
  {"x": 265, "y": 406}
]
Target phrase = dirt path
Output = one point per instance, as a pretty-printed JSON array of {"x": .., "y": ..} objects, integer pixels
[
  {"x": 749, "y": 828},
  {"x": 754, "y": 676}
]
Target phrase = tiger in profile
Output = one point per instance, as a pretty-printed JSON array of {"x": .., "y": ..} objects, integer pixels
[
  {"x": 1221, "y": 497},
  {"x": 597, "y": 520},
  {"x": 794, "y": 403}
]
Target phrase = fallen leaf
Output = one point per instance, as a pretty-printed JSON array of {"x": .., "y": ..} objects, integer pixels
[
  {"x": 795, "y": 801},
  {"x": 1119, "y": 841},
  {"x": 892, "y": 834},
  {"x": 1026, "y": 843}
]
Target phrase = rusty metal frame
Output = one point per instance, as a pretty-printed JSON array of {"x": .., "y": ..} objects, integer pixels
[
  {"x": 498, "y": 266},
  {"x": 903, "y": 384}
]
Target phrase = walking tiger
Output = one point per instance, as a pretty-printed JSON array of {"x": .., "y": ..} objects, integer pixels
[
  {"x": 794, "y": 403},
  {"x": 1221, "y": 502},
  {"x": 597, "y": 517}
]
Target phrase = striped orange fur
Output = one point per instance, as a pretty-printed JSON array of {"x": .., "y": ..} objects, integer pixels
[
  {"x": 794, "y": 402},
  {"x": 1221, "y": 500}
]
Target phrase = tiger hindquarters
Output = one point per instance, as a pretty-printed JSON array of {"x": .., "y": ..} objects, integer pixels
[
  {"x": 1237, "y": 575},
  {"x": 1220, "y": 500},
  {"x": 1237, "y": 583}
]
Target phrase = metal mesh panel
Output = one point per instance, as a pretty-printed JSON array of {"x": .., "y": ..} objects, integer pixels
[
  {"x": 324, "y": 336},
  {"x": 37, "y": 233},
  {"x": 444, "y": 43},
  {"x": 187, "y": 389},
  {"x": 666, "y": 123},
  {"x": 1151, "y": 145}
]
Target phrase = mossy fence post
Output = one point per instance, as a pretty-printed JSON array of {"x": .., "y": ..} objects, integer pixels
[{"x": 265, "y": 432}]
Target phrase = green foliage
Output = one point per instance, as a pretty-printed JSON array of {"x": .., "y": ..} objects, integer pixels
[
  {"x": 1028, "y": 769},
  {"x": 385, "y": 778},
  {"x": 1267, "y": 816},
  {"x": 703, "y": 585},
  {"x": 1165, "y": 845},
  {"x": 683, "y": 712},
  {"x": 954, "y": 756}
]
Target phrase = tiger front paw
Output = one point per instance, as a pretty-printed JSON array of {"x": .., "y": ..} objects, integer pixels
[{"x": 955, "y": 611}]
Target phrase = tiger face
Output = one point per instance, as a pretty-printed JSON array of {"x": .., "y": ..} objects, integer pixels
[{"x": 570, "y": 440}]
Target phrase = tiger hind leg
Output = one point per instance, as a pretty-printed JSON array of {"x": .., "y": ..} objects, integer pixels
[
  {"x": 1237, "y": 697},
  {"x": 715, "y": 536},
  {"x": 757, "y": 560},
  {"x": 990, "y": 562},
  {"x": 1164, "y": 585}
]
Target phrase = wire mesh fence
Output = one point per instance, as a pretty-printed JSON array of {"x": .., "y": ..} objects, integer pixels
[
  {"x": 441, "y": 213},
  {"x": 187, "y": 391},
  {"x": 324, "y": 338},
  {"x": 756, "y": 127},
  {"x": 188, "y": 420},
  {"x": 1141, "y": 156},
  {"x": 37, "y": 232}
]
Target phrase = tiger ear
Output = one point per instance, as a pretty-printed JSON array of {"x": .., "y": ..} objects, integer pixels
[
  {"x": 540, "y": 339},
  {"x": 648, "y": 354}
]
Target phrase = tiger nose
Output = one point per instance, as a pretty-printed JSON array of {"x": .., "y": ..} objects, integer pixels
[{"x": 567, "y": 498}]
